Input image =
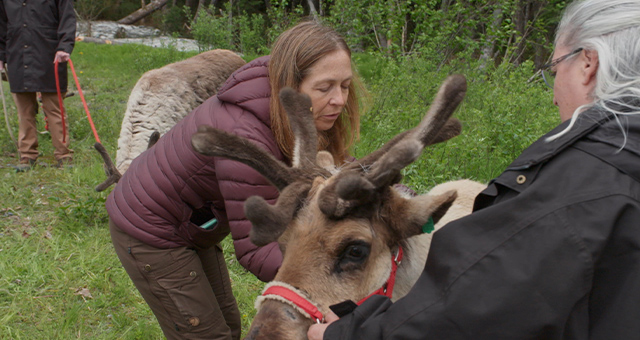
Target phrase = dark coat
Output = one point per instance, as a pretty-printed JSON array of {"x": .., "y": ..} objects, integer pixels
[
  {"x": 552, "y": 251},
  {"x": 169, "y": 190},
  {"x": 31, "y": 32}
]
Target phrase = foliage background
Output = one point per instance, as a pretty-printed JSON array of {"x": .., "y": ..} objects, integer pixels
[
  {"x": 488, "y": 30},
  {"x": 59, "y": 275}
]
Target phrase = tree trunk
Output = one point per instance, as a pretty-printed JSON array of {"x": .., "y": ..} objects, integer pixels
[
  {"x": 142, "y": 5},
  {"x": 521, "y": 16},
  {"x": 201, "y": 5},
  {"x": 142, "y": 12},
  {"x": 444, "y": 5},
  {"x": 312, "y": 9},
  {"x": 230, "y": 21},
  {"x": 490, "y": 43}
]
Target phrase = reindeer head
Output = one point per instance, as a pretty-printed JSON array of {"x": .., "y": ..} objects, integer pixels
[{"x": 337, "y": 229}]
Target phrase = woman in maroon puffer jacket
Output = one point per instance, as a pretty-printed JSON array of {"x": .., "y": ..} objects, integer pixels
[{"x": 173, "y": 205}]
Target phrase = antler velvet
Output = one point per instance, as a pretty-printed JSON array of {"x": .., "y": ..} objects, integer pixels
[
  {"x": 359, "y": 183},
  {"x": 292, "y": 182},
  {"x": 382, "y": 167}
]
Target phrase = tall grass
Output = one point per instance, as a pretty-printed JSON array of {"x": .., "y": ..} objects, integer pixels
[{"x": 59, "y": 275}]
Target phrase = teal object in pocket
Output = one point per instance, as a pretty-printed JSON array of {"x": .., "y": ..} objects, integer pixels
[{"x": 210, "y": 224}]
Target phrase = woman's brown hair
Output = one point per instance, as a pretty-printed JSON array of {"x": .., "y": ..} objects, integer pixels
[{"x": 292, "y": 56}]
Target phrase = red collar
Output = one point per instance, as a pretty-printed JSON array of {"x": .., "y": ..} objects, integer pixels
[
  {"x": 387, "y": 288},
  {"x": 312, "y": 310},
  {"x": 297, "y": 299}
]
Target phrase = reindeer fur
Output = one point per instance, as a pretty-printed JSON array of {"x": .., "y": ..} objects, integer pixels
[{"x": 163, "y": 96}]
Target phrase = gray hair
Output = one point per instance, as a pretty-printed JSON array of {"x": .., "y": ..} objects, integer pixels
[{"x": 612, "y": 29}]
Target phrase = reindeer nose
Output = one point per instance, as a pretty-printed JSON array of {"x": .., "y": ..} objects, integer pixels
[{"x": 253, "y": 333}]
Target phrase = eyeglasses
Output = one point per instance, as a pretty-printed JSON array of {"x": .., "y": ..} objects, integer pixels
[{"x": 549, "y": 74}]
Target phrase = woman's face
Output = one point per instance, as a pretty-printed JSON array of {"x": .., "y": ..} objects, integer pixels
[
  {"x": 575, "y": 80},
  {"x": 328, "y": 86}
]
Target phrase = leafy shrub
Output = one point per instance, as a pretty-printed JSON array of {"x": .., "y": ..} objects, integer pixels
[
  {"x": 213, "y": 31},
  {"x": 251, "y": 37},
  {"x": 173, "y": 21}
]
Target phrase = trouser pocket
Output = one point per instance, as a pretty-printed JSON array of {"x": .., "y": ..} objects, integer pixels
[{"x": 188, "y": 304}]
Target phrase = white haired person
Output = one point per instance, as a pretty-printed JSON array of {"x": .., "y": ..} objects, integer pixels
[{"x": 552, "y": 249}]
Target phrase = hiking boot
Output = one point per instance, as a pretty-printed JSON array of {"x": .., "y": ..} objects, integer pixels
[
  {"x": 25, "y": 164},
  {"x": 65, "y": 163}
]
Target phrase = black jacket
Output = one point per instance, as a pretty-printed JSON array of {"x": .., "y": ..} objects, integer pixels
[
  {"x": 30, "y": 34},
  {"x": 552, "y": 251}
]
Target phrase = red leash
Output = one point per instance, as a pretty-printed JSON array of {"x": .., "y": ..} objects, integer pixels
[{"x": 84, "y": 102}]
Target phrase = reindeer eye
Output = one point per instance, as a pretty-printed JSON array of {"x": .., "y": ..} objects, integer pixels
[
  {"x": 356, "y": 252},
  {"x": 353, "y": 256}
]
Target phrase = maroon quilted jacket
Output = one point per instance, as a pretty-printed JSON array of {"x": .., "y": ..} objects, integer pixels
[{"x": 170, "y": 189}]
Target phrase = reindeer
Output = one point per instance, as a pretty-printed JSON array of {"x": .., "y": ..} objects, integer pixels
[
  {"x": 344, "y": 233},
  {"x": 160, "y": 99}
]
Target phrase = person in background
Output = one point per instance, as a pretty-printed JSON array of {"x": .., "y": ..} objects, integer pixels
[
  {"x": 552, "y": 249},
  {"x": 33, "y": 36},
  {"x": 173, "y": 205}
]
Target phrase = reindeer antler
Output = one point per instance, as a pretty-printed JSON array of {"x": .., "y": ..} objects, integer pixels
[
  {"x": 298, "y": 107},
  {"x": 292, "y": 182},
  {"x": 348, "y": 191},
  {"x": 214, "y": 142}
]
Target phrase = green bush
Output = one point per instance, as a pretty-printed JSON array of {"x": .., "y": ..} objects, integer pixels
[
  {"x": 213, "y": 31},
  {"x": 251, "y": 37},
  {"x": 173, "y": 21},
  {"x": 245, "y": 33}
]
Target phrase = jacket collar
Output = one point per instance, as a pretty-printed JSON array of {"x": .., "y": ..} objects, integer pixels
[{"x": 542, "y": 150}]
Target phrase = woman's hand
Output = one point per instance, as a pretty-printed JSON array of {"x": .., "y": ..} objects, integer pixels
[{"x": 316, "y": 331}]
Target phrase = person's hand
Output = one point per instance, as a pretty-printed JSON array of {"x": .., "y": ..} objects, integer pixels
[
  {"x": 316, "y": 331},
  {"x": 61, "y": 57}
]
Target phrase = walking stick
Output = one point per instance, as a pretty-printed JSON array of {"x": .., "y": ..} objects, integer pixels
[{"x": 4, "y": 105}]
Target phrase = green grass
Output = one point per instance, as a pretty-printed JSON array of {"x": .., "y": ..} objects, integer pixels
[{"x": 54, "y": 238}]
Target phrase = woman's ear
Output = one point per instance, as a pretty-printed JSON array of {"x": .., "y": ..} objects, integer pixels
[{"x": 590, "y": 66}]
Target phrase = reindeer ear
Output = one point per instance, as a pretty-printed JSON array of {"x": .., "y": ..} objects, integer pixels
[
  {"x": 411, "y": 214},
  {"x": 324, "y": 159}
]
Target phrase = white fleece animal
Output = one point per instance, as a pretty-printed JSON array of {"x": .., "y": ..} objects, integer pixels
[{"x": 163, "y": 96}]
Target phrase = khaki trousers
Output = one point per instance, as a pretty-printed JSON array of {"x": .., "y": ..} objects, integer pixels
[
  {"x": 189, "y": 291},
  {"x": 27, "y": 104}
]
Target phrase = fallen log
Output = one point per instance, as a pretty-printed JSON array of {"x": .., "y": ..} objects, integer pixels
[{"x": 142, "y": 12}]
